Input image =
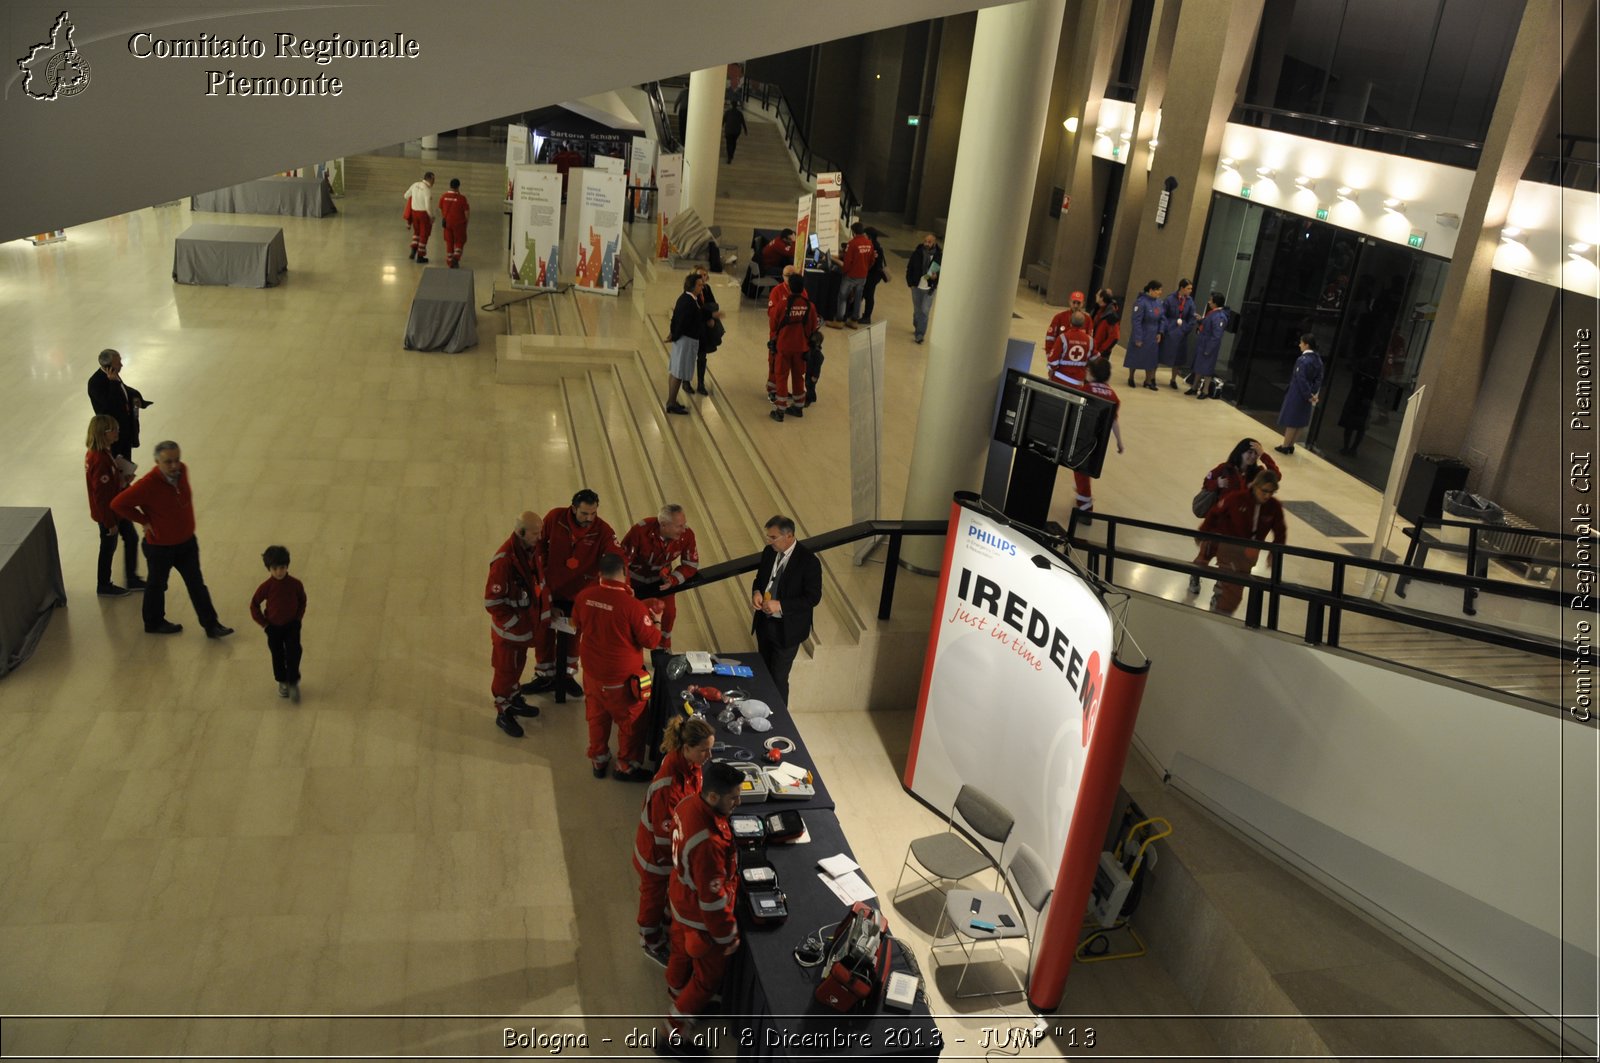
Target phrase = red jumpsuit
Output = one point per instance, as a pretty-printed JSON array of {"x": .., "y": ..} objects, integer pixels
[
  {"x": 1067, "y": 351},
  {"x": 453, "y": 209},
  {"x": 510, "y": 596},
  {"x": 420, "y": 195},
  {"x": 569, "y": 561},
  {"x": 1240, "y": 515},
  {"x": 775, "y": 298},
  {"x": 1084, "y": 484},
  {"x": 619, "y": 629},
  {"x": 1224, "y": 480},
  {"x": 777, "y": 254},
  {"x": 650, "y": 559},
  {"x": 1107, "y": 325},
  {"x": 702, "y": 890},
  {"x": 652, "y": 842},
  {"x": 792, "y": 320}
]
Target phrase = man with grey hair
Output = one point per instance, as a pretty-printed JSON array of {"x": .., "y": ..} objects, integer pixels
[
  {"x": 787, "y": 587},
  {"x": 109, "y": 395},
  {"x": 163, "y": 502},
  {"x": 661, "y": 555}
]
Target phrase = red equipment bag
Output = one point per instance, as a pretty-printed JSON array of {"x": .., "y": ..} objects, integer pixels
[{"x": 856, "y": 965}]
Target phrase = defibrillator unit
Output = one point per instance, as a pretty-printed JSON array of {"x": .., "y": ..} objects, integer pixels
[
  {"x": 764, "y": 901},
  {"x": 755, "y": 788},
  {"x": 856, "y": 966}
]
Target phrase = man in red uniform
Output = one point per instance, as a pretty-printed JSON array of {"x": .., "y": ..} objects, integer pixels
[
  {"x": 778, "y": 252},
  {"x": 161, "y": 500},
  {"x": 1099, "y": 373},
  {"x": 652, "y": 546},
  {"x": 1068, "y": 346},
  {"x": 620, "y": 628},
  {"x": 571, "y": 540},
  {"x": 702, "y": 892},
  {"x": 775, "y": 297},
  {"x": 1251, "y": 512},
  {"x": 454, "y": 208},
  {"x": 419, "y": 215},
  {"x": 511, "y": 596},
  {"x": 792, "y": 320},
  {"x": 858, "y": 260}
]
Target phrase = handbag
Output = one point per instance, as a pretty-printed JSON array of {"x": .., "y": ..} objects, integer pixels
[
  {"x": 406, "y": 213},
  {"x": 1204, "y": 499}
]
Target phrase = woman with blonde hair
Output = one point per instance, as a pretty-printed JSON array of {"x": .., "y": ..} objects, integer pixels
[
  {"x": 687, "y": 745},
  {"x": 105, "y": 478}
]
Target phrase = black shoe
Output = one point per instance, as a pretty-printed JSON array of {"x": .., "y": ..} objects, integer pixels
[
  {"x": 111, "y": 590},
  {"x": 776, "y": 415},
  {"x": 571, "y": 687},
  {"x": 166, "y": 627},
  {"x": 796, "y": 411},
  {"x": 1284, "y": 450},
  {"x": 283, "y": 690},
  {"x": 1131, "y": 382},
  {"x": 675, "y": 407},
  {"x": 1152, "y": 385},
  {"x": 1173, "y": 383},
  {"x": 422, "y": 260},
  {"x": 598, "y": 769},
  {"x": 294, "y": 692},
  {"x": 218, "y": 631},
  {"x": 659, "y": 952},
  {"x": 413, "y": 255},
  {"x": 634, "y": 775},
  {"x": 507, "y": 722},
  {"x": 518, "y": 707},
  {"x": 701, "y": 390},
  {"x": 1194, "y": 584},
  {"x": 1192, "y": 390},
  {"x": 136, "y": 584},
  {"x": 811, "y": 398},
  {"x": 541, "y": 685}
]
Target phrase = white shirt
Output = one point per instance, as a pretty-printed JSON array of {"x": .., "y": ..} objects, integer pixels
[
  {"x": 779, "y": 563},
  {"x": 421, "y": 197}
]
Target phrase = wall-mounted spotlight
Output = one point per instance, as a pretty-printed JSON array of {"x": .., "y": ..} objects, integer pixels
[
  {"x": 1510, "y": 232},
  {"x": 1345, "y": 192},
  {"x": 1580, "y": 248},
  {"x": 1071, "y": 124},
  {"x": 1266, "y": 172},
  {"x": 1227, "y": 161},
  {"x": 1302, "y": 180},
  {"x": 1396, "y": 205}
]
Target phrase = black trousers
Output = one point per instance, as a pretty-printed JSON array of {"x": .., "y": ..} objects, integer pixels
[
  {"x": 778, "y": 659},
  {"x": 733, "y": 142},
  {"x": 161, "y": 560},
  {"x": 108, "y": 547},
  {"x": 284, "y": 642},
  {"x": 869, "y": 297}
]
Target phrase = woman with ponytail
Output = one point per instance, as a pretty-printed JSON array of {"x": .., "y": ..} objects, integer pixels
[{"x": 687, "y": 745}]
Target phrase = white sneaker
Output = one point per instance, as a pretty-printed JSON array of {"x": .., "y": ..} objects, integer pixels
[{"x": 283, "y": 690}]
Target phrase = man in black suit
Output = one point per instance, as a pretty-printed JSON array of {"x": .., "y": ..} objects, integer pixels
[{"x": 787, "y": 587}]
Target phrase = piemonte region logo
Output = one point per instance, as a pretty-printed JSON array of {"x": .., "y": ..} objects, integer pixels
[{"x": 55, "y": 69}]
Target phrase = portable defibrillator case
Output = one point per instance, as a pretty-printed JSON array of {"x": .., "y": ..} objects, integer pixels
[
  {"x": 783, "y": 826},
  {"x": 754, "y": 789},
  {"x": 856, "y": 966},
  {"x": 748, "y": 831}
]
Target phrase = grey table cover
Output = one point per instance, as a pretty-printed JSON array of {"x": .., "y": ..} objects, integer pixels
[
  {"x": 444, "y": 313},
  {"x": 239, "y": 256},
  {"x": 305, "y": 197},
  {"x": 30, "y": 581}
]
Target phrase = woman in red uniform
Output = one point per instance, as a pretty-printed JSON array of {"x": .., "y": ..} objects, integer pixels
[
  {"x": 1248, "y": 513},
  {"x": 104, "y": 480},
  {"x": 687, "y": 745},
  {"x": 1247, "y": 458}
]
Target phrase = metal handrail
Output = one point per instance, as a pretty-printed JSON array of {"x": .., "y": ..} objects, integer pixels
[
  {"x": 1251, "y": 114},
  {"x": 1266, "y": 592},
  {"x": 772, "y": 98}
]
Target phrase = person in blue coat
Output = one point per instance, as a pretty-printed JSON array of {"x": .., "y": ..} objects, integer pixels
[
  {"x": 1207, "y": 345},
  {"x": 1144, "y": 340},
  {"x": 1177, "y": 322},
  {"x": 1305, "y": 388}
]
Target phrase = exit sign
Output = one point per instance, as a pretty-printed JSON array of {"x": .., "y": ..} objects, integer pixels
[
  {"x": 1415, "y": 239},
  {"x": 913, "y": 119},
  {"x": 1322, "y": 213},
  {"x": 1244, "y": 191}
]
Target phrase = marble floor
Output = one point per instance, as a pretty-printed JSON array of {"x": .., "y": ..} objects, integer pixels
[{"x": 177, "y": 842}]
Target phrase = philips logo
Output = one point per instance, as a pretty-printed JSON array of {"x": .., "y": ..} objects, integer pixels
[{"x": 989, "y": 538}]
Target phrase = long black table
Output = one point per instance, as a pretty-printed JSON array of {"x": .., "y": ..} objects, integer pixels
[
  {"x": 306, "y": 197},
  {"x": 769, "y": 997},
  {"x": 666, "y": 698},
  {"x": 31, "y": 586}
]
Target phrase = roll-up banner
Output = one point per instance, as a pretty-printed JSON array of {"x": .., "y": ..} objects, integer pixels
[
  {"x": 594, "y": 228},
  {"x": 516, "y": 155},
  {"x": 642, "y": 177},
  {"x": 535, "y": 258},
  {"x": 802, "y": 229},
  {"x": 333, "y": 173},
  {"x": 828, "y": 203},
  {"x": 611, "y": 164},
  {"x": 669, "y": 176},
  {"x": 1014, "y": 702}
]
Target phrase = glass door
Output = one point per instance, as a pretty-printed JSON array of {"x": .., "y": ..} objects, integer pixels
[{"x": 1225, "y": 261}]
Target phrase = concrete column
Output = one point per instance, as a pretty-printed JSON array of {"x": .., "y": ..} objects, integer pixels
[
  {"x": 1217, "y": 37},
  {"x": 1002, "y": 125},
  {"x": 1098, "y": 37},
  {"x": 1463, "y": 332},
  {"x": 1158, "y": 52},
  {"x": 702, "y": 140}
]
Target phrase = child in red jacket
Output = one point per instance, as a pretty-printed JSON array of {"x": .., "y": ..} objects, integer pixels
[{"x": 279, "y": 605}]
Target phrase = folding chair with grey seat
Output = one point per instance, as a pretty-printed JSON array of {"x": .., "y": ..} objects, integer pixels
[
  {"x": 948, "y": 856},
  {"x": 1028, "y": 889}
]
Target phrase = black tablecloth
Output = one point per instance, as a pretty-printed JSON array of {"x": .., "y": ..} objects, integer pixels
[
  {"x": 770, "y": 997},
  {"x": 823, "y": 288},
  {"x": 239, "y": 256},
  {"x": 666, "y": 697},
  {"x": 30, "y": 581},
  {"x": 306, "y": 197},
  {"x": 444, "y": 313}
]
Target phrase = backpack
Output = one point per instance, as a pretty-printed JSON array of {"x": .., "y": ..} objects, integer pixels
[{"x": 1233, "y": 321}]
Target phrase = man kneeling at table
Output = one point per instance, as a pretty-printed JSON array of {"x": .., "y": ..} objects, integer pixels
[{"x": 702, "y": 891}]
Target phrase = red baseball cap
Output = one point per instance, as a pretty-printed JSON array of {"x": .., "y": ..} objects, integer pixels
[{"x": 1075, "y": 297}]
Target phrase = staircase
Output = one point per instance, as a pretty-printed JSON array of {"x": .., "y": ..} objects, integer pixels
[{"x": 483, "y": 183}]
